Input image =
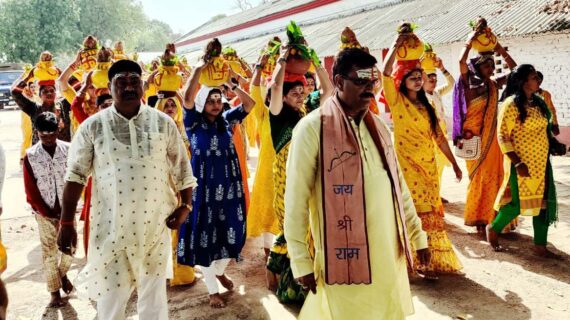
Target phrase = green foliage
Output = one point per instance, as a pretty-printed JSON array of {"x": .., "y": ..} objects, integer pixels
[
  {"x": 28, "y": 27},
  {"x": 273, "y": 49},
  {"x": 294, "y": 34},
  {"x": 297, "y": 40},
  {"x": 31, "y": 26},
  {"x": 229, "y": 51}
]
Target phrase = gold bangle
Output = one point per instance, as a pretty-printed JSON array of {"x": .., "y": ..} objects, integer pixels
[{"x": 187, "y": 206}]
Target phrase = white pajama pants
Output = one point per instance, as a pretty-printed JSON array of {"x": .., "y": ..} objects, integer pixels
[
  {"x": 216, "y": 268},
  {"x": 152, "y": 302}
]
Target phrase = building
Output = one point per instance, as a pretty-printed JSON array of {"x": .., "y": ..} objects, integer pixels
[{"x": 534, "y": 31}]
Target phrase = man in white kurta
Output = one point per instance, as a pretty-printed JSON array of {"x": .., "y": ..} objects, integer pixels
[
  {"x": 131, "y": 161},
  {"x": 388, "y": 295}
]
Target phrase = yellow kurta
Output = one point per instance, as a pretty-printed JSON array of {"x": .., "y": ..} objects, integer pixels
[
  {"x": 388, "y": 296},
  {"x": 261, "y": 216},
  {"x": 530, "y": 142}
]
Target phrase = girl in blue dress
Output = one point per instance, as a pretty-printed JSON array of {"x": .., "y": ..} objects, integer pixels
[{"x": 214, "y": 232}]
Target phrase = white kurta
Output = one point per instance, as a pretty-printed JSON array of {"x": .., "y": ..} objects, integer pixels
[{"x": 131, "y": 162}]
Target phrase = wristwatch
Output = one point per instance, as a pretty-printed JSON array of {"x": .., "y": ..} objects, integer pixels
[{"x": 187, "y": 206}]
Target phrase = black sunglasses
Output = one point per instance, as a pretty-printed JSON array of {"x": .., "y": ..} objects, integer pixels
[{"x": 361, "y": 81}]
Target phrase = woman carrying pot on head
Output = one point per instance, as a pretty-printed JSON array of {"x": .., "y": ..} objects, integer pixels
[
  {"x": 214, "y": 232},
  {"x": 475, "y": 101},
  {"x": 525, "y": 136},
  {"x": 286, "y": 107},
  {"x": 416, "y": 128}
]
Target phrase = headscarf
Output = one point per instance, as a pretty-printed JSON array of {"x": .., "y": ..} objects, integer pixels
[
  {"x": 475, "y": 80},
  {"x": 289, "y": 77},
  {"x": 178, "y": 117},
  {"x": 401, "y": 69},
  {"x": 202, "y": 96},
  {"x": 46, "y": 83}
]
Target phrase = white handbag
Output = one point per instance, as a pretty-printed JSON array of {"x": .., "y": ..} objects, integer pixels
[{"x": 469, "y": 149}]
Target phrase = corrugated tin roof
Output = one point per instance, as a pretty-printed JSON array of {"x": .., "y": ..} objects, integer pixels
[
  {"x": 248, "y": 15},
  {"x": 439, "y": 22}
]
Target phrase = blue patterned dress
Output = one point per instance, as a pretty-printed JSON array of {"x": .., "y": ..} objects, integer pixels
[{"x": 215, "y": 229}]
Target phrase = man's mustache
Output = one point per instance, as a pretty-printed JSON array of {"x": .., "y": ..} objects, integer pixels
[
  {"x": 367, "y": 95},
  {"x": 128, "y": 94}
]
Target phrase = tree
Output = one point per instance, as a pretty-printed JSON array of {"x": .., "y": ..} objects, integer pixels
[
  {"x": 243, "y": 4},
  {"x": 152, "y": 38},
  {"x": 28, "y": 27}
]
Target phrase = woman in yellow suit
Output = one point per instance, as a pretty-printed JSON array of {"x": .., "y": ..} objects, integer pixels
[
  {"x": 183, "y": 275},
  {"x": 525, "y": 126}
]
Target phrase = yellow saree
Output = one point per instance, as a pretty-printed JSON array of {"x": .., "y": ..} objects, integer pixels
[
  {"x": 414, "y": 144},
  {"x": 485, "y": 173}
]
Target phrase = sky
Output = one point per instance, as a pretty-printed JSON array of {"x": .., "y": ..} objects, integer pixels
[{"x": 185, "y": 15}]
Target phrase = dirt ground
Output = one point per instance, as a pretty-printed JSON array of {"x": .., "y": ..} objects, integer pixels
[{"x": 511, "y": 285}]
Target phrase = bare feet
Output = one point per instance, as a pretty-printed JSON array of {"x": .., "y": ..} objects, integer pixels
[
  {"x": 271, "y": 279},
  {"x": 216, "y": 301},
  {"x": 493, "y": 239},
  {"x": 226, "y": 282},
  {"x": 428, "y": 275},
  {"x": 56, "y": 300},
  {"x": 66, "y": 285},
  {"x": 266, "y": 251},
  {"x": 481, "y": 229},
  {"x": 541, "y": 251}
]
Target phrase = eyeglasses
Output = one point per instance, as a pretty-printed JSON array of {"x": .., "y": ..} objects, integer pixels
[
  {"x": 361, "y": 81},
  {"x": 122, "y": 80}
]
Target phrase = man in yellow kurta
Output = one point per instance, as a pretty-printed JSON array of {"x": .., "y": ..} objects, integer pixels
[{"x": 344, "y": 183}]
